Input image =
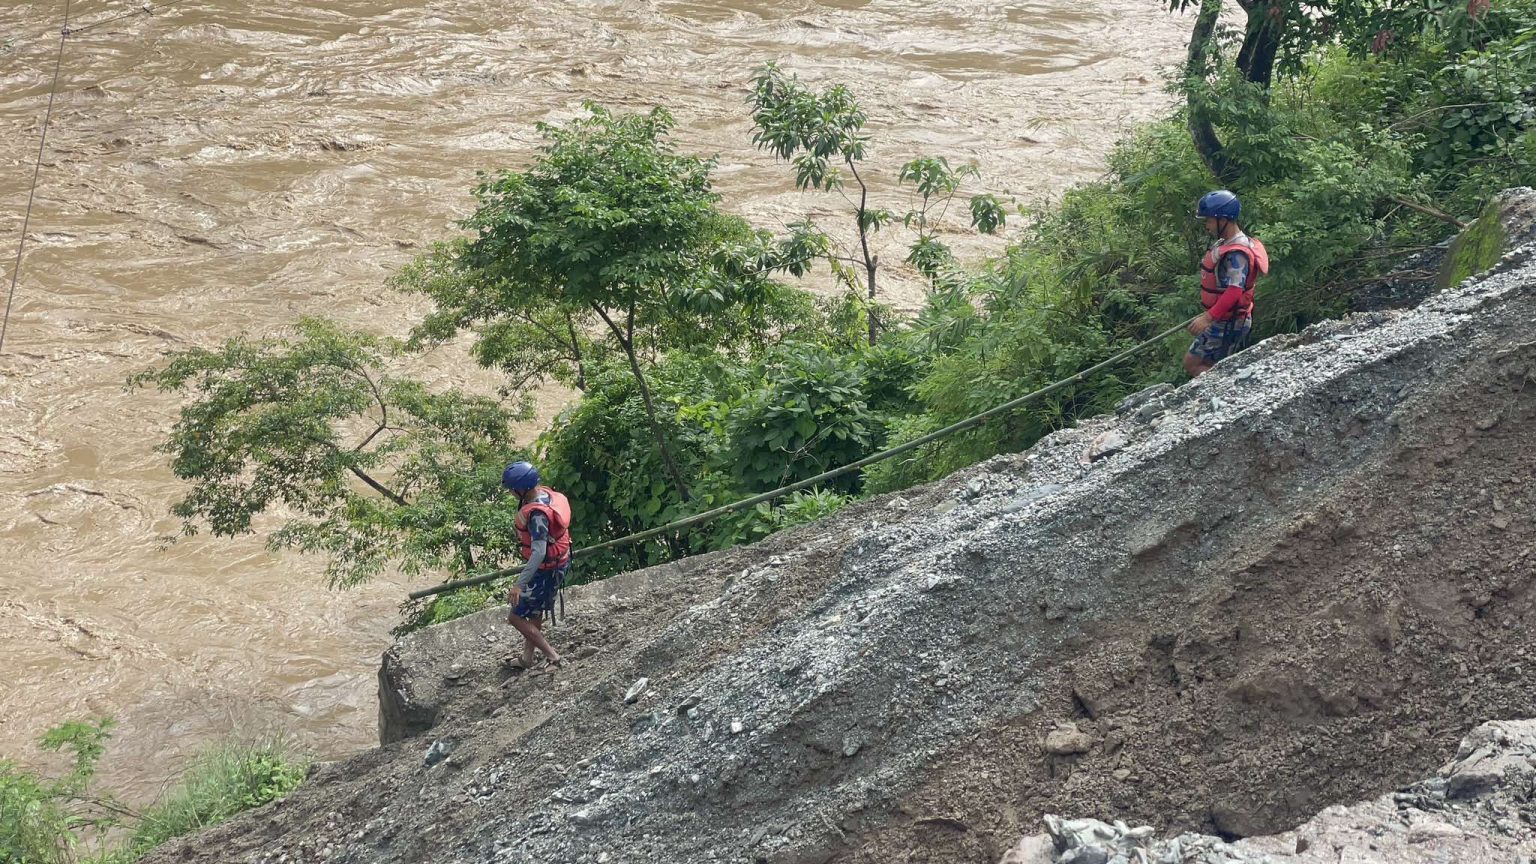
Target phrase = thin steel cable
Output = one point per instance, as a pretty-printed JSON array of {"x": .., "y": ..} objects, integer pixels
[
  {"x": 951, "y": 429},
  {"x": 37, "y": 170}
]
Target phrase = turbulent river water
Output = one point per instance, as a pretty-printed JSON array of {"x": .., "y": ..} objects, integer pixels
[{"x": 222, "y": 166}]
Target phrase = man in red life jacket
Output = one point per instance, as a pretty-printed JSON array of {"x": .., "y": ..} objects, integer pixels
[
  {"x": 1227, "y": 274},
  {"x": 544, "y": 535}
]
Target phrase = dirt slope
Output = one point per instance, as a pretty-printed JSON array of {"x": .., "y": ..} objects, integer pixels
[{"x": 1294, "y": 582}]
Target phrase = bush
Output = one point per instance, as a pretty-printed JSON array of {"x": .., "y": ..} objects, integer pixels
[
  {"x": 45, "y": 821},
  {"x": 806, "y": 415},
  {"x": 50, "y": 821},
  {"x": 221, "y": 782}
]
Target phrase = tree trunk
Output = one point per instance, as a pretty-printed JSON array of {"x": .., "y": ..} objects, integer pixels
[
  {"x": 581, "y": 364},
  {"x": 869, "y": 310},
  {"x": 871, "y": 262},
  {"x": 628, "y": 344},
  {"x": 1261, "y": 42},
  {"x": 1201, "y": 131}
]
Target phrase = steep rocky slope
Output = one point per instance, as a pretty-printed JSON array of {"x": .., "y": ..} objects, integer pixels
[{"x": 1295, "y": 582}]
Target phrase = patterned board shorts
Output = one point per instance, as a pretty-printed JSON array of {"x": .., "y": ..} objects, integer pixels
[
  {"x": 1221, "y": 339},
  {"x": 539, "y": 597}
]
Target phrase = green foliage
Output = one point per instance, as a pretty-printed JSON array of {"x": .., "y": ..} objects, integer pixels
[
  {"x": 56, "y": 821},
  {"x": 221, "y": 782},
  {"x": 805, "y": 415},
  {"x": 599, "y": 453},
  {"x": 606, "y": 265},
  {"x": 610, "y": 222},
  {"x": 1362, "y": 27},
  {"x": 797, "y": 508},
  {"x": 376, "y": 469},
  {"x": 530, "y": 340},
  {"x": 441, "y": 608},
  {"x": 610, "y": 230},
  {"x": 1020, "y": 333},
  {"x": 821, "y": 134},
  {"x": 46, "y": 821}
]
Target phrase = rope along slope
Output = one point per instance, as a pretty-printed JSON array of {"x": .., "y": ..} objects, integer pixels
[{"x": 707, "y": 515}]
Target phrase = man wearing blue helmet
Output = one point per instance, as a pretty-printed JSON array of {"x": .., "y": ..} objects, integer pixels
[
  {"x": 544, "y": 533},
  {"x": 1228, "y": 272}
]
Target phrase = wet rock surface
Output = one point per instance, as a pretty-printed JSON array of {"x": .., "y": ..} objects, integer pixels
[{"x": 1302, "y": 579}]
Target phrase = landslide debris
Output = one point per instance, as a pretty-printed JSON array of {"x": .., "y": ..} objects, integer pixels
[
  {"x": 1298, "y": 581},
  {"x": 1480, "y": 808}
]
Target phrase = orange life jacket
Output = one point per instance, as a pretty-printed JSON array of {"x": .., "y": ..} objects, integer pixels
[
  {"x": 557, "y": 510},
  {"x": 1210, "y": 286}
]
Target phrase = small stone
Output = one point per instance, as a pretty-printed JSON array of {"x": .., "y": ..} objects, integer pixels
[
  {"x": 582, "y": 817},
  {"x": 945, "y": 506},
  {"x": 1107, "y": 444},
  {"x": 438, "y": 752},
  {"x": 585, "y": 651},
  {"x": 851, "y": 748},
  {"x": 1500, "y": 522},
  {"x": 1487, "y": 423},
  {"x": 1085, "y": 855},
  {"x": 737, "y": 727},
  {"x": 1425, "y": 832},
  {"x": 1113, "y": 742},
  {"x": 1122, "y": 774},
  {"x": 1067, "y": 739},
  {"x": 687, "y": 705},
  {"x": 1151, "y": 395},
  {"x": 636, "y": 690}
]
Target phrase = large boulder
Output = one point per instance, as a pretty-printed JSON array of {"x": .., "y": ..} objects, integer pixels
[{"x": 1506, "y": 223}]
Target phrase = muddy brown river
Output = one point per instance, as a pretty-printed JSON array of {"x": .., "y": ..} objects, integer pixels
[{"x": 223, "y": 167}]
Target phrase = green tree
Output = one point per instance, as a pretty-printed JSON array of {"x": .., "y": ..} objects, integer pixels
[
  {"x": 609, "y": 229},
  {"x": 1279, "y": 35},
  {"x": 822, "y": 135},
  {"x": 376, "y": 468},
  {"x": 531, "y": 341}
]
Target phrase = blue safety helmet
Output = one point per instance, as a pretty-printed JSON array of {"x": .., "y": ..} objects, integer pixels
[
  {"x": 1220, "y": 204},
  {"x": 520, "y": 477}
]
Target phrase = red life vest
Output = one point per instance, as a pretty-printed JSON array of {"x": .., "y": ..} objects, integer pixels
[
  {"x": 557, "y": 510},
  {"x": 1210, "y": 286}
]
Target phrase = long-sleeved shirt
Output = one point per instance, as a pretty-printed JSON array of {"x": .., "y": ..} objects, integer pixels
[
  {"x": 1232, "y": 276},
  {"x": 538, "y": 533}
]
